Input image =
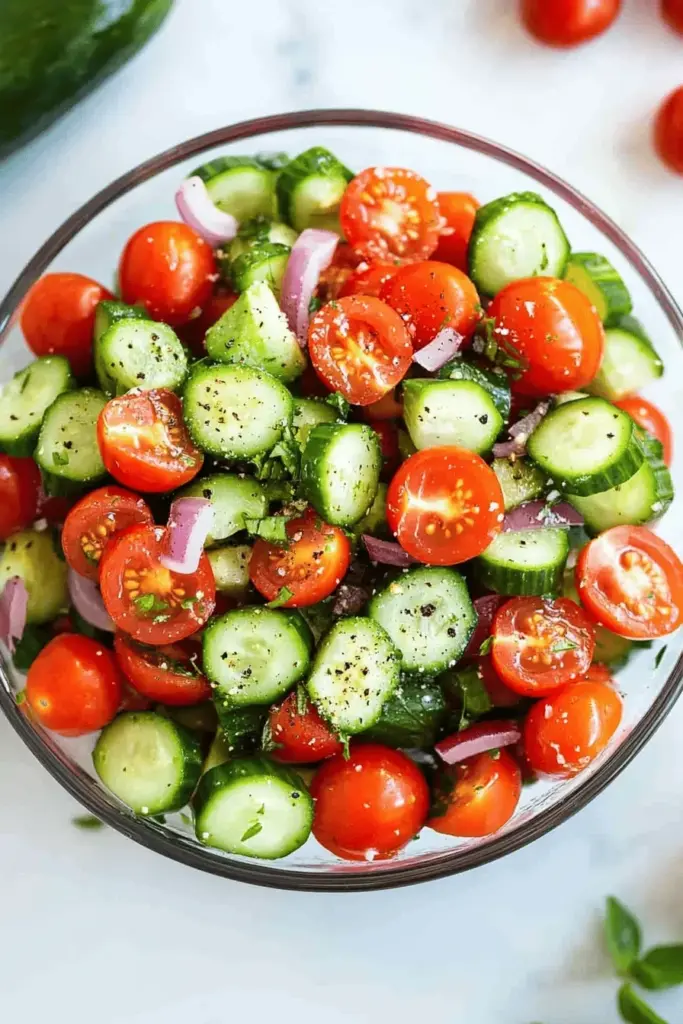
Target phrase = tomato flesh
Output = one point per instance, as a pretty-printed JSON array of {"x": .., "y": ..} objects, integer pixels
[
  {"x": 300, "y": 735},
  {"x": 430, "y": 296},
  {"x": 58, "y": 317},
  {"x": 650, "y": 418},
  {"x": 672, "y": 12},
  {"x": 19, "y": 494},
  {"x": 93, "y": 520},
  {"x": 568, "y": 22},
  {"x": 368, "y": 278},
  {"x": 166, "y": 674},
  {"x": 458, "y": 211},
  {"x": 668, "y": 131},
  {"x": 477, "y": 796}
]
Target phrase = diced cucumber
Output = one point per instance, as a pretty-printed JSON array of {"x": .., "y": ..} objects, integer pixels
[
  {"x": 253, "y": 807},
  {"x": 137, "y": 353},
  {"x": 491, "y": 378},
  {"x": 233, "y": 498},
  {"x": 520, "y": 481},
  {"x": 568, "y": 396},
  {"x": 26, "y": 397},
  {"x": 218, "y": 753},
  {"x": 230, "y": 567},
  {"x": 241, "y": 728},
  {"x": 525, "y": 562},
  {"x": 451, "y": 412},
  {"x": 629, "y": 362},
  {"x": 33, "y": 556},
  {"x": 375, "y": 519},
  {"x": 235, "y": 411},
  {"x": 67, "y": 444},
  {"x": 412, "y": 717},
  {"x": 600, "y": 283},
  {"x": 514, "y": 237},
  {"x": 240, "y": 185},
  {"x": 256, "y": 232},
  {"x": 310, "y": 188},
  {"x": 264, "y": 263},
  {"x": 254, "y": 332},
  {"x": 340, "y": 471},
  {"x": 406, "y": 448},
  {"x": 355, "y": 671},
  {"x": 309, "y": 413},
  {"x": 110, "y": 311}
]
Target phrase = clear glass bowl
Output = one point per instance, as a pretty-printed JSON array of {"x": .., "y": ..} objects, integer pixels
[{"x": 90, "y": 241}]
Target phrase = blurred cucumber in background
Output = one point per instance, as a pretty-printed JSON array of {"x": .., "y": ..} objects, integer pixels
[{"x": 54, "y": 52}]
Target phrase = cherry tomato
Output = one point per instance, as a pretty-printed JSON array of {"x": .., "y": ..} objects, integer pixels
[
  {"x": 551, "y": 333},
  {"x": 669, "y": 131},
  {"x": 194, "y": 331},
  {"x": 167, "y": 674},
  {"x": 388, "y": 439},
  {"x": 479, "y": 795},
  {"x": 131, "y": 700},
  {"x": 567, "y": 730},
  {"x": 539, "y": 644},
  {"x": 369, "y": 805},
  {"x": 19, "y": 494},
  {"x": 301, "y": 737},
  {"x": 650, "y": 418},
  {"x": 169, "y": 269},
  {"x": 311, "y": 566},
  {"x": 430, "y": 296},
  {"x": 389, "y": 212},
  {"x": 672, "y": 12},
  {"x": 58, "y": 318},
  {"x": 568, "y": 22},
  {"x": 74, "y": 686},
  {"x": 458, "y": 210},
  {"x": 368, "y": 278},
  {"x": 631, "y": 581},
  {"x": 387, "y": 408},
  {"x": 310, "y": 384},
  {"x": 144, "y": 598},
  {"x": 444, "y": 505},
  {"x": 500, "y": 695},
  {"x": 144, "y": 441},
  {"x": 334, "y": 277},
  {"x": 91, "y": 522},
  {"x": 359, "y": 346},
  {"x": 55, "y": 509}
]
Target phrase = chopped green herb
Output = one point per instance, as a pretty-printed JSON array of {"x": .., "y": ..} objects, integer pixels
[
  {"x": 346, "y": 750},
  {"x": 252, "y": 831},
  {"x": 270, "y": 528},
  {"x": 314, "y": 305},
  {"x": 87, "y": 821},
  {"x": 60, "y": 458},
  {"x": 185, "y": 818},
  {"x": 486, "y": 646},
  {"x": 20, "y": 697},
  {"x": 283, "y": 596},
  {"x": 659, "y": 655},
  {"x": 339, "y": 403},
  {"x": 563, "y": 645}
]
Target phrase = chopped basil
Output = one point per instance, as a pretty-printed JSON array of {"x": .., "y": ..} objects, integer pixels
[
  {"x": 283, "y": 596},
  {"x": 87, "y": 821},
  {"x": 486, "y": 646},
  {"x": 252, "y": 831}
]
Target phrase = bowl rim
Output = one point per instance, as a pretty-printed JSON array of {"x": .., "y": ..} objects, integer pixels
[{"x": 390, "y": 874}]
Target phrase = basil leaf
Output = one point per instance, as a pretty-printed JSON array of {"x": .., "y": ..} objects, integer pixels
[
  {"x": 301, "y": 700},
  {"x": 661, "y": 967},
  {"x": 622, "y": 933},
  {"x": 634, "y": 1010},
  {"x": 284, "y": 594}
]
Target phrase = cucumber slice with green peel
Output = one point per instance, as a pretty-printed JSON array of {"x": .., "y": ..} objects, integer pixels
[
  {"x": 450, "y": 412},
  {"x": 254, "y": 332},
  {"x": 629, "y": 362},
  {"x": 492, "y": 379},
  {"x": 569, "y": 396},
  {"x": 520, "y": 481},
  {"x": 375, "y": 519},
  {"x": 234, "y": 497},
  {"x": 241, "y": 728},
  {"x": 259, "y": 231},
  {"x": 355, "y": 671},
  {"x": 309, "y": 190},
  {"x": 240, "y": 185},
  {"x": 309, "y": 413},
  {"x": 218, "y": 753},
  {"x": 406, "y": 448},
  {"x": 138, "y": 353},
  {"x": 67, "y": 446},
  {"x": 429, "y": 615},
  {"x": 340, "y": 470},
  {"x": 642, "y": 498},
  {"x": 110, "y": 311},
  {"x": 523, "y": 562},
  {"x": 586, "y": 446},
  {"x": 412, "y": 717},
  {"x": 255, "y": 655},
  {"x": 253, "y": 807},
  {"x": 26, "y": 397},
  {"x": 235, "y": 412},
  {"x": 148, "y": 761},
  {"x": 600, "y": 283},
  {"x": 514, "y": 237},
  {"x": 264, "y": 263},
  {"x": 34, "y": 557},
  {"x": 230, "y": 565}
]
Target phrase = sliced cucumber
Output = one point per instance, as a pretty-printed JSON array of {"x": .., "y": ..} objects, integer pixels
[
  {"x": 241, "y": 728},
  {"x": 375, "y": 519},
  {"x": 642, "y": 498},
  {"x": 340, "y": 471},
  {"x": 110, "y": 311},
  {"x": 33, "y": 556},
  {"x": 148, "y": 761},
  {"x": 257, "y": 232},
  {"x": 520, "y": 481},
  {"x": 629, "y": 362},
  {"x": 137, "y": 353},
  {"x": 310, "y": 188},
  {"x": 514, "y": 237},
  {"x": 240, "y": 185},
  {"x": 491, "y": 378},
  {"x": 254, "y": 808},
  {"x": 451, "y": 412},
  {"x": 233, "y": 498},
  {"x": 67, "y": 444},
  {"x": 406, "y": 448},
  {"x": 525, "y": 562},
  {"x": 218, "y": 753},
  {"x": 230, "y": 567},
  {"x": 265, "y": 264},
  {"x": 26, "y": 397},
  {"x": 309, "y": 413},
  {"x": 600, "y": 283},
  {"x": 412, "y": 717},
  {"x": 355, "y": 671}
]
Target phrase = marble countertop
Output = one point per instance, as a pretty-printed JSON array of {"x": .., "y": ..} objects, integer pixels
[{"x": 93, "y": 926}]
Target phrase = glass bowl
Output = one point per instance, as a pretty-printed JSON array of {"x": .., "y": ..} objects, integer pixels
[{"x": 90, "y": 242}]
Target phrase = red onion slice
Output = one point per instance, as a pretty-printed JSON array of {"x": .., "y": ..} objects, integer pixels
[
  {"x": 13, "y": 607},
  {"x": 519, "y": 432},
  {"x": 486, "y": 608},
  {"x": 388, "y": 552},
  {"x": 538, "y": 515},
  {"x": 312, "y": 253},
  {"x": 189, "y": 524},
  {"x": 443, "y": 347},
  {"x": 477, "y": 739},
  {"x": 87, "y": 600},
  {"x": 199, "y": 212}
]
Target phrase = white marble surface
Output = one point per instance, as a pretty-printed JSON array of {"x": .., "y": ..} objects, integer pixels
[{"x": 93, "y": 926}]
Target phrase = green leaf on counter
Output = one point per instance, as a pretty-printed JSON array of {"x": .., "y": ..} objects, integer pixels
[
  {"x": 634, "y": 1010},
  {"x": 623, "y": 936},
  {"x": 661, "y": 967}
]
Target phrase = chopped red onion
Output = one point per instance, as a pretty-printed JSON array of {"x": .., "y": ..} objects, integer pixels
[
  {"x": 199, "y": 212},
  {"x": 312, "y": 253},
  {"x": 189, "y": 524},
  {"x": 519, "y": 432},
  {"x": 87, "y": 600},
  {"x": 13, "y": 606},
  {"x": 537, "y": 515},
  {"x": 443, "y": 347},
  {"x": 388, "y": 552},
  {"x": 486, "y": 608},
  {"x": 477, "y": 739}
]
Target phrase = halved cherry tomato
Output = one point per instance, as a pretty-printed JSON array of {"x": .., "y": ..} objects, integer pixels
[
  {"x": 58, "y": 317},
  {"x": 368, "y": 278},
  {"x": 194, "y": 331},
  {"x": 359, "y": 346},
  {"x": 144, "y": 441},
  {"x": 167, "y": 674},
  {"x": 389, "y": 212},
  {"x": 500, "y": 695},
  {"x": 387, "y": 408},
  {"x": 430, "y": 296},
  {"x": 444, "y": 505},
  {"x": 300, "y": 737},
  {"x": 19, "y": 494},
  {"x": 311, "y": 566},
  {"x": 650, "y": 418},
  {"x": 549, "y": 333},
  {"x": 631, "y": 581},
  {"x": 388, "y": 439},
  {"x": 458, "y": 210},
  {"x": 672, "y": 12},
  {"x": 74, "y": 686},
  {"x": 91, "y": 522},
  {"x": 479, "y": 795},
  {"x": 169, "y": 269},
  {"x": 564, "y": 732},
  {"x": 144, "y": 598},
  {"x": 369, "y": 805},
  {"x": 568, "y": 22},
  {"x": 539, "y": 644},
  {"x": 669, "y": 131},
  {"x": 334, "y": 277}
]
